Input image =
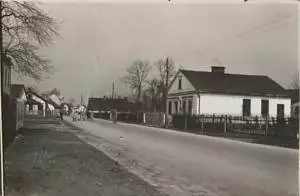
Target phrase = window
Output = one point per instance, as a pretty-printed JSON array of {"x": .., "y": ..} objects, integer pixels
[
  {"x": 280, "y": 110},
  {"x": 179, "y": 83},
  {"x": 246, "y": 107},
  {"x": 170, "y": 107},
  {"x": 40, "y": 107},
  {"x": 190, "y": 106},
  {"x": 183, "y": 107},
  {"x": 176, "y": 107},
  {"x": 264, "y": 108}
]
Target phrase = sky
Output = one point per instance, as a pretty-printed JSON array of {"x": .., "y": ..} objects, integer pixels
[{"x": 99, "y": 40}]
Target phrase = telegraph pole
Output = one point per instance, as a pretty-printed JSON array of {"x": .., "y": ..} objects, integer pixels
[
  {"x": 112, "y": 94},
  {"x": 1, "y": 113},
  {"x": 166, "y": 92},
  {"x": 81, "y": 99}
]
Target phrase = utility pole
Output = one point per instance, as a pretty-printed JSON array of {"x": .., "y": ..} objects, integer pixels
[
  {"x": 166, "y": 92},
  {"x": 1, "y": 113},
  {"x": 81, "y": 99},
  {"x": 112, "y": 94}
]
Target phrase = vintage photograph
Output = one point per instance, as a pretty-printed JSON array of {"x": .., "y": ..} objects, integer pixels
[{"x": 150, "y": 98}]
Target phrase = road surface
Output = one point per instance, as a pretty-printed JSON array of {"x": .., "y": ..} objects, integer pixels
[{"x": 183, "y": 164}]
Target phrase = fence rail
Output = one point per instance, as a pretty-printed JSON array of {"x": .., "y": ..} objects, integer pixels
[{"x": 256, "y": 125}]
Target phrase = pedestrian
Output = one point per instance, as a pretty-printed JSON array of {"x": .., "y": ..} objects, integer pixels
[
  {"x": 61, "y": 112},
  {"x": 114, "y": 115}
]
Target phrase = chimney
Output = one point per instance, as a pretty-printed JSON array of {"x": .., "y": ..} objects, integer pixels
[{"x": 218, "y": 69}]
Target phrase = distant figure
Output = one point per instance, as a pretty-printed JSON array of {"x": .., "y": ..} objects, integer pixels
[
  {"x": 114, "y": 116},
  {"x": 61, "y": 112}
]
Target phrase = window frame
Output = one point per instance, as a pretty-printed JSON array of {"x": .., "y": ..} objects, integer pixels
[
  {"x": 170, "y": 107},
  {"x": 179, "y": 82},
  {"x": 246, "y": 111},
  {"x": 189, "y": 106},
  {"x": 263, "y": 112}
]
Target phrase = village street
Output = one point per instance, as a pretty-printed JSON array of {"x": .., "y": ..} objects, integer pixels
[{"x": 186, "y": 164}]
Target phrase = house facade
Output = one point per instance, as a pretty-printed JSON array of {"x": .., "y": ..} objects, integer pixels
[
  {"x": 219, "y": 93},
  {"x": 35, "y": 104}
]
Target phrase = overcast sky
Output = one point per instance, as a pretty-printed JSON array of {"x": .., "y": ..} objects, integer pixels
[{"x": 100, "y": 40}]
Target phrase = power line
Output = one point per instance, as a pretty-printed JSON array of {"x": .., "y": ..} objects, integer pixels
[{"x": 245, "y": 33}]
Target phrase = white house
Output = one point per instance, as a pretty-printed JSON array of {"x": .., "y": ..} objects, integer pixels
[
  {"x": 35, "y": 104},
  {"x": 219, "y": 93},
  {"x": 55, "y": 99}
]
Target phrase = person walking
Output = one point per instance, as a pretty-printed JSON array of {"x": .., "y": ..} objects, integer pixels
[{"x": 61, "y": 112}]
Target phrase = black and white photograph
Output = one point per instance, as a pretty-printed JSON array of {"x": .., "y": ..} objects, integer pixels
[{"x": 149, "y": 98}]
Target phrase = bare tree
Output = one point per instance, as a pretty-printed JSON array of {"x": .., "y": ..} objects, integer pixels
[
  {"x": 71, "y": 101},
  {"x": 153, "y": 90},
  {"x": 295, "y": 84},
  {"x": 54, "y": 91},
  {"x": 25, "y": 28},
  {"x": 166, "y": 71},
  {"x": 137, "y": 75},
  {"x": 32, "y": 88},
  {"x": 163, "y": 68}
]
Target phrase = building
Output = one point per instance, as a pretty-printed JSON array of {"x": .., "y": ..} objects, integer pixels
[
  {"x": 6, "y": 74},
  {"x": 219, "y": 93},
  {"x": 35, "y": 104},
  {"x": 18, "y": 95},
  {"x": 17, "y": 91},
  {"x": 104, "y": 104},
  {"x": 12, "y": 105}
]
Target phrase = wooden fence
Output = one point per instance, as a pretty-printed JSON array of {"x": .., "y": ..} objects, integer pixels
[{"x": 256, "y": 125}]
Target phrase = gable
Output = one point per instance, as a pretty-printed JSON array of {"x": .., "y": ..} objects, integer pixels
[{"x": 186, "y": 85}]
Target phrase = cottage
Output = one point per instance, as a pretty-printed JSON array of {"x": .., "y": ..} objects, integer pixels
[
  {"x": 17, "y": 91},
  {"x": 35, "y": 104},
  {"x": 216, "y": 92}
]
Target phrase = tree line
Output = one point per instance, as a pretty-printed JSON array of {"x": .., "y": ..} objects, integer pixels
[{"x": 150, "y": 87}]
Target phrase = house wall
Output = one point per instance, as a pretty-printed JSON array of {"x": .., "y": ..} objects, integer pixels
[
  {"x": 233, "y": 104},
  {"x": 185, "y": 85},
  {"x": 42, "y": 102},
  {"x": 6, "y": 78},
  {"x": 180, "y": 99}
]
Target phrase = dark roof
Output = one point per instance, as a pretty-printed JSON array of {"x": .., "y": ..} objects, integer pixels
[
  {"x": 32, "y": 102},
  {"x": 106, "y": 104},
  {"x": 53, "y": 103},
  {"x": 16, "y": 90},
  {"x": 234, "y": 83}
]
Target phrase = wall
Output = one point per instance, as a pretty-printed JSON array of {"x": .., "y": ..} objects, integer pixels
[
  {"x": 233, "y": 104},
  {"x": 185, "y": 85},
  {"x": 193, "y": 97},
  {"x": 6, "y": 78}
]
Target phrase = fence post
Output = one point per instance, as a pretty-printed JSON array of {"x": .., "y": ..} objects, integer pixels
[
  {"x": 144, "y": 117},
  {"x": 267, "y": 124},
  {"x": 202, "y": 123},
  {"x": 185, "y": 122},
  {"x": 225, "y": 124}
]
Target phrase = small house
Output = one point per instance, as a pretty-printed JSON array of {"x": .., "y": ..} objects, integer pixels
[
  {"x": 35, "y": 104},
  {"x": 220, "y": 93}
]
